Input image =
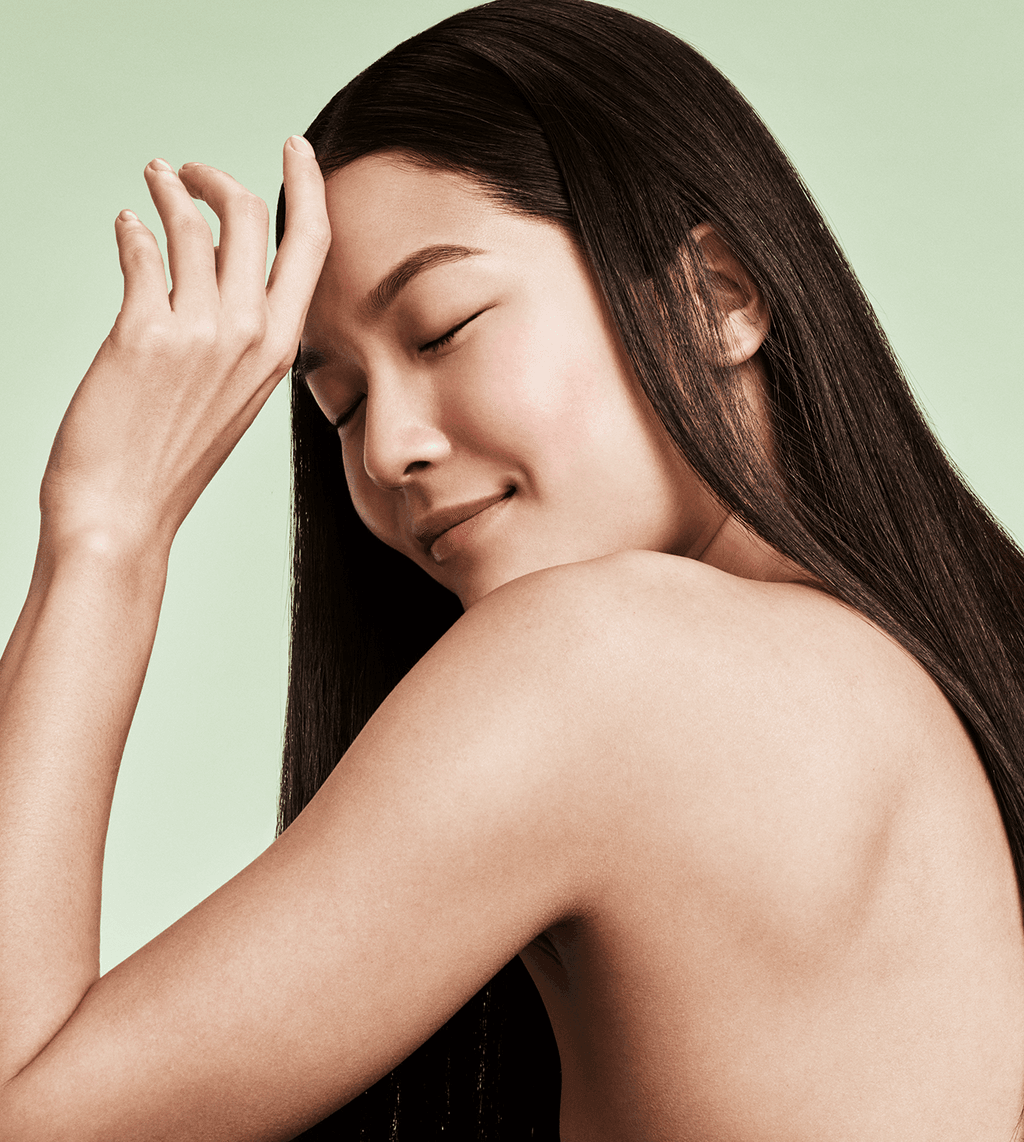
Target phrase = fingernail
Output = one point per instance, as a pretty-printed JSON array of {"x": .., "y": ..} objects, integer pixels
[
  {"x": 128, "y": 216},
  {"x": 161, "y": 165},
  {"x": 300, "y": 144}
]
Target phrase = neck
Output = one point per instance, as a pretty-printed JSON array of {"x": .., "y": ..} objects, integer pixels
[{"x": 736, "y": 549}]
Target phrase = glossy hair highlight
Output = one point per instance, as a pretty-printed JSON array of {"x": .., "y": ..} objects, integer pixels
[{"x": 627, "y": 138}]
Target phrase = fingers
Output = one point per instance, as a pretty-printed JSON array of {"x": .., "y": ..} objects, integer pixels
[
  {"x": 307, "y": 237},
  {"x": 189, "y": 242},
  {"x": 228, "y": 280},
  {"x": 145, "y": 287},
  {"x": 241, "y": 257}
]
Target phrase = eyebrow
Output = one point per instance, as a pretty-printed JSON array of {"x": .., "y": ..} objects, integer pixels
[
  {"x": 309, "y": 360},
  {"x": 388, "y": 288},
  {"x": 397, "y": 278}
]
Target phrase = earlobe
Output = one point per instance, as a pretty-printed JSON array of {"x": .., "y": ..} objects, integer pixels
[{"x": 743, "y": 314}]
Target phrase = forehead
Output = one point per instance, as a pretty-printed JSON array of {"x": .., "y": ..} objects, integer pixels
[
  {"x": 369, "y": 187},
  {"x": 381, "y": 208}
]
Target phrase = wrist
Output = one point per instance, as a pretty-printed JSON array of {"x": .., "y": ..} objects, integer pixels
[{"x": 137, "y": 559}]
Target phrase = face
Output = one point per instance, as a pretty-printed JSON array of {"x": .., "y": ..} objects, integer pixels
[{"x": 490, "y": 422}]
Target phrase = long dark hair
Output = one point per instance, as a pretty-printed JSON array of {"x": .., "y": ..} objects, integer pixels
[{"x": 617, "y": 131}]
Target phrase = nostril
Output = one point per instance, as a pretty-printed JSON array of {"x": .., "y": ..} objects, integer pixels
[{"x": 399, "y": 444}]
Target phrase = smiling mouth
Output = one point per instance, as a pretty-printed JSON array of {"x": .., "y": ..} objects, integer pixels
[{"x": 439, "y": 523}]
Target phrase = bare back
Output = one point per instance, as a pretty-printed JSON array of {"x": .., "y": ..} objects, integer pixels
[
  {"x": 808, "y": 918},
  {"x": 741, "y": 840}
]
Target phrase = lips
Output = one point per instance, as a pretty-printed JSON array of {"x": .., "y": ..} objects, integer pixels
[{"x": 433, "y": 525}]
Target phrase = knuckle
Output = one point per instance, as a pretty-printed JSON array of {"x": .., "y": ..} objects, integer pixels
[
  {"x": 204, "y": 332},
  {"x": 154, "y": 338},
  {"x": 135, "y": 254},
  {"x": 193, "y": 226},
  {"x": 317, "y": 237},
  {"x": 253, "y": 208},
  {"x": 249, "y": 329}
]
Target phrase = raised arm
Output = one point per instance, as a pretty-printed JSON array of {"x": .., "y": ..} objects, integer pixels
[
  {"x": 173, "y": 387},
  {"x": 451, "y": 835}
]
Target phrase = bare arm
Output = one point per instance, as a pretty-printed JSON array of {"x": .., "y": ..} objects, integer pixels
[
  {"x": 71, "y": 678},
  {"x": 170, "y": 392},
  {"x": 452, "y": 833},
  {"x": 448, "y": 839}
]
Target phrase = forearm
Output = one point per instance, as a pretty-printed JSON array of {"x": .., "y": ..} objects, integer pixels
[
  {"x": 170, "y": 392},
  {"x": 69, "y": 682}
]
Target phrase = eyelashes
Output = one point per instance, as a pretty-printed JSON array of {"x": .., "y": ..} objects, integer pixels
[
  {"x": 445, "y": 338},
  {"x": 347, "y": 415},
  {"x": 430, "y": 347}
]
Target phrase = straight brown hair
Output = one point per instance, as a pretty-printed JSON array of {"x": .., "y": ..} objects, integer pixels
[{"x": 627, "y": 138}]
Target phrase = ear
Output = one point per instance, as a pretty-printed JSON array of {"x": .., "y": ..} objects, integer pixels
[{"x": 743, "y": 314}]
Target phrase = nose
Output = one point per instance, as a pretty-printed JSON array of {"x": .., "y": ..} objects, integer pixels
[{"x": 401, "y": 434}]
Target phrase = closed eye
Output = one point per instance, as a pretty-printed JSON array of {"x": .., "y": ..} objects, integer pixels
[
  {"x": 347, "y": 415},
  {"x": 444, "y": 339},
  {"x": 430, "y": 347}
]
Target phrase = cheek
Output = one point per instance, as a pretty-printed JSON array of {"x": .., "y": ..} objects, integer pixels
[
  {"x": 372, "y": 505},
  {"x": 539, "y": 394}
]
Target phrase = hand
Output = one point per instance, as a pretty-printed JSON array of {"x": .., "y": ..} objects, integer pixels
[{"x": 181, "y": 376}]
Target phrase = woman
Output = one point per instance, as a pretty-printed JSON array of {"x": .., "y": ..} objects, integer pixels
[{"x": 741, "y": 838}]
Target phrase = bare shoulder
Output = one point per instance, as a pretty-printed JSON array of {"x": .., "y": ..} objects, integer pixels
[
  {"x": 735, "y": 653},
  {"x": 802, "y": 875},
  {"x": 768, "y": 721},
  {"x": 790, "y": 840}
]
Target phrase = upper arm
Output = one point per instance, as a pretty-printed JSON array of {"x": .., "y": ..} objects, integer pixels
[
  {"x": 449, "y": 836},
  {"x": 570, "y": 721}
]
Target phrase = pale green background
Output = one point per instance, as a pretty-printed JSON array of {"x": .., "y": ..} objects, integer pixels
[{"x": 904, "y": 117}]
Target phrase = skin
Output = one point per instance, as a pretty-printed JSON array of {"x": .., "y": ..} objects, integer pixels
[
  {"x": 532, "y": 396},
  {"x": 756, "y": 836}
]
